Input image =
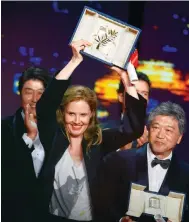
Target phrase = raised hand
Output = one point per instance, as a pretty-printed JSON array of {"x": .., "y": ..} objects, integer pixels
[
  {"x": 76, "y": 59},
  {"x": 77, "y": 46},
  {"x": 30, "y": 122},
  {"x": 123, "y": 75},
  {"x": 129, "y": 88}
]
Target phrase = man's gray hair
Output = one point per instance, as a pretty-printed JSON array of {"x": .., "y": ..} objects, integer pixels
[{"x": 169, "y": 109}]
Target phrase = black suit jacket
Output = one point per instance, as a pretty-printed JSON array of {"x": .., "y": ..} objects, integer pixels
[
  {"x": 19, "y": 183},
  {"x": 54, "y": 138},
  {"x": 121, "y": 168}
]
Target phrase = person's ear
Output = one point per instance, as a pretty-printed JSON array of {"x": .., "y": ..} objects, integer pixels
[{"x": 179, "y": 139}]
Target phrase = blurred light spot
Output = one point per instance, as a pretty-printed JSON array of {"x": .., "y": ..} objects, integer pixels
[
  {"x": 65, "y": 11},
  {"x": 35, "y": 60},
  {"x": 151, "y": 105},
  {"x": 21, "y": 63},
  {"x": 185, "y": 32},
  {"x": 22, "y": 51},
  {"x": 53, "y": 70},
  {"x": 13, "y": 62},
  {"x": 163, "y": 76},
  {"x": 4, "y": 60},
  {"x": 65, "y": 62},
  {"x": 184, "y": 19},
  {"x": 31, "y": 51},
  {"x": 155, "y": 27},
  {"x": 101, "y": 114},
  {"x": 175, "y": 16},
  {"x": 16, "y": 82},
  {"x": 56, "y": 8},
  {"x": 168, "y": 48},
  {"x": 187, "y": 25},
  {"x": 98, "y": 6},
  {"x": 55, "y": 54}
]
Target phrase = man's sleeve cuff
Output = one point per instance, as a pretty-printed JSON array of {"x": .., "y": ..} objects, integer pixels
[{"x": 27, "y": 140}]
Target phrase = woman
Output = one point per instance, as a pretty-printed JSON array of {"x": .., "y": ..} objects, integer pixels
[{"x": 74, "y": 142}]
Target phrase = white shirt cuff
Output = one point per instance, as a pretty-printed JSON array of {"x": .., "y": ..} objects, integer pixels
[{"x": 27, "y": 140}]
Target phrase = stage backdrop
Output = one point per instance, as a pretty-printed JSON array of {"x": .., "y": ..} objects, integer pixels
[{"x": 38, "y": 33}]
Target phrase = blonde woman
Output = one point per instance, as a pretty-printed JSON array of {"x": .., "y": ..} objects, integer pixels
[{"x": 69, "y": 128}]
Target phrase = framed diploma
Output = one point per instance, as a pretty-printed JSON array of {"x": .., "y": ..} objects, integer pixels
[
  {"x": 151, "y": 203},
  {"x": 113, "y": 41}
]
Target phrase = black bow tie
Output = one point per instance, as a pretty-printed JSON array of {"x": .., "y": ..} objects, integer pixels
[
  {"x": 31, "y": 149},
  {"x": 163, "y": 163}
]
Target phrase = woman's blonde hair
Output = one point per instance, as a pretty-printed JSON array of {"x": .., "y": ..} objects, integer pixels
[{"x": 93, "y": 134}]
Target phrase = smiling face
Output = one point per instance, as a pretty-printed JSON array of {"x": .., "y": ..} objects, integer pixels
[
  {"x": 31, "y": 93},
  {"x": 164, "y": 134},
  {"x": 77, "y": 118}
]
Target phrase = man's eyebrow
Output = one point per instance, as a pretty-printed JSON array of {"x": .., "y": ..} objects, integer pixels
[
  {"x": 156, "y": 123},
  {"x": 170, "y": 126},
  {"x": 34, "y": 89},
  {"x": 143, "y": 91}
]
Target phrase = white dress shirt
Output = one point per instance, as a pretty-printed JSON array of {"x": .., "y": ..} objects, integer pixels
[
  {"x": 156, "y": 174},
  {"x": 38, "y": 154}
]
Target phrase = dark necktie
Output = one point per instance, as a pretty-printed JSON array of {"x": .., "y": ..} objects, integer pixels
[{"x": 163, "y": 163}]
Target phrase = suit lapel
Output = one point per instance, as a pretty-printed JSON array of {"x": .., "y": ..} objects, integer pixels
[
  {"x": 170, "y": 182},
  {"x": 142, "y": 166},
  {"x": 60, "y": 145},
  {"x": 92, "y": 160},
  {"x": 18, "y": 125}
]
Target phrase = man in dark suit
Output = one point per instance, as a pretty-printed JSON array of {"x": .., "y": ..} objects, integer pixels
[
  {"x": 22, "y": 152},
  {"x": 143, "y": 87},
  {"x": 154, "y": 166}
]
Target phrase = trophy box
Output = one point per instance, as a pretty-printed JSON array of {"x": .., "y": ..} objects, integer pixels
[
  {"x": 113, "y": 41},
  {"x": 150, "y": 203}
]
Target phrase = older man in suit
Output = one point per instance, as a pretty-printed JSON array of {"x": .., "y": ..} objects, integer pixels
[
  {"x": 155, "y": 166},
  {"x": 22, "y": 152}
]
